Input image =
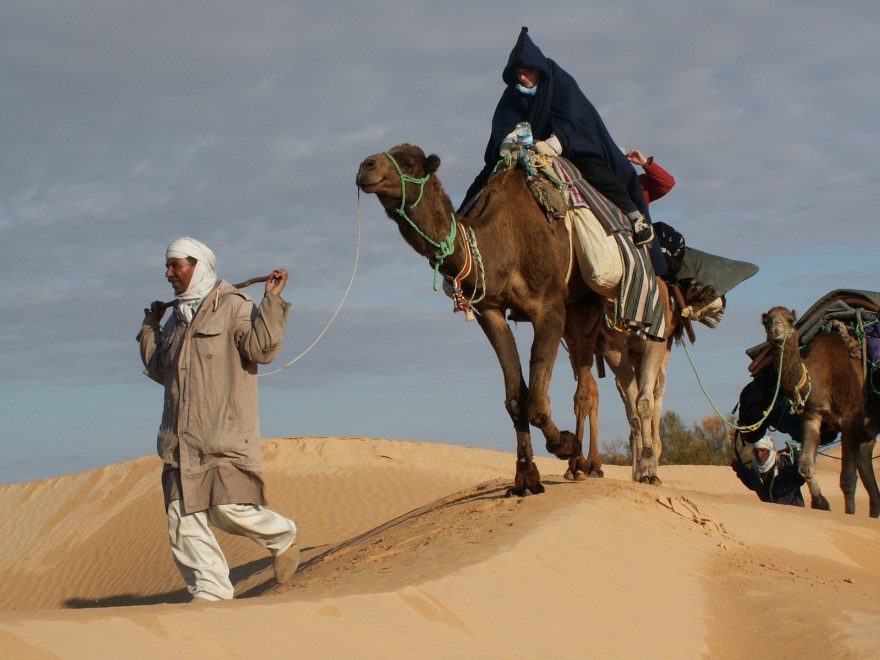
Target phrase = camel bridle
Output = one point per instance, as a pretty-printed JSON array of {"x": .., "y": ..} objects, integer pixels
[
  {"x": 447, "y": 245},
  {"x": 765, "y": 414},
  {"x": 798, "y": 400}
]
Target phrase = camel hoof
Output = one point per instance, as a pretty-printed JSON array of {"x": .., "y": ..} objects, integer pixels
[
  {"x": 568, "y": 476},
  {"x": 597, "y": 474},
  {"x": 525, "y": 492},
  {"x": 820, "y": 503},
  {"x": 645, "y": 480},
  {"x": 655, "y": 480}
]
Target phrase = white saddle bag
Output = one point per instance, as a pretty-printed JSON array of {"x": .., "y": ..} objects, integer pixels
[{"x": 597, "y": 253}]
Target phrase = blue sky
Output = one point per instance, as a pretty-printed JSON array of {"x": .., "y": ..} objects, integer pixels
[{"x": 126, "y": 125}]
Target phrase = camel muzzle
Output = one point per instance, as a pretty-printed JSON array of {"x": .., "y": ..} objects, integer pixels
[{"x": 369, "y": 175}]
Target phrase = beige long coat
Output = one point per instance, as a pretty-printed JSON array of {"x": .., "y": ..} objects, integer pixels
[{"x": 209, "y": 438}]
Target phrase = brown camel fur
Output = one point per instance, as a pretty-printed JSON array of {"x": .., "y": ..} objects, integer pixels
[
  {"x": 829, "y": 383},
  {"x": 526, "y": 260}
]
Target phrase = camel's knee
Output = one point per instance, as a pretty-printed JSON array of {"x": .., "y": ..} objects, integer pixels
[
  {"x": 583, "y": 397},
  {"x": 806, "y": 467},
  {"x": 538, "y": 411},
  {"x": 584, "y": 403},
  {"x": 660, "y": 385},
  {"x": 848, "y": 482},
  {"x": 645, "y": 407},
  {"x": 514, "y": 410}
]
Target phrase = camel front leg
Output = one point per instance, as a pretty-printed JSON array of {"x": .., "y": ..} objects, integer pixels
[
  {"x": 807, "y": 463},
  {"x": 616, "y": 354},
  {"x": 625, "y": 381},
  {"x": 646, "y": 367},
  {"x": 849, "y": 442},
  {"x": 866, "y": 459},
  {"x": 655, "y": 361},
  {"x": 650, "y": 459},
  {"x": 527, "y": 479},
  {"x": 586, "y": 406},
  {"x": 548, "y": 326},
  {"x": 869, "y": 479}
]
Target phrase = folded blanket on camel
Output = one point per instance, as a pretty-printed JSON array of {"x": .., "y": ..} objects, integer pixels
[{"x": 852, "y": 307}]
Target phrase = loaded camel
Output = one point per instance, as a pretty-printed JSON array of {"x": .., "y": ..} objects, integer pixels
[
  {"x": 827, "y": 384},
  {"x": 524, "y": 262}
]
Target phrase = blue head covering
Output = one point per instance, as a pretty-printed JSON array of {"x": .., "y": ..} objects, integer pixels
[{"x": 558, "y": 108}]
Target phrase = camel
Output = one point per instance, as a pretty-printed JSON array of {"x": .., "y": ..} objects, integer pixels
[
  {"x": 827, "y": 385},
  {"x": 521, "y": 267}
]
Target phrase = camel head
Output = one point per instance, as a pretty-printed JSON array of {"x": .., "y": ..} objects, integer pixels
[
  {"x": 778, "y": 323},
  {"x": 379, "y": 174}
]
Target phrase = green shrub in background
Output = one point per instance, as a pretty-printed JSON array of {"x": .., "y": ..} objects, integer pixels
[{"x": 707, "y": 442}]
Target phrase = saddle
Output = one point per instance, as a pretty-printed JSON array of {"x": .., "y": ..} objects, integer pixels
[
  {"x": 619, "y": 267},
  {"x": 854, "y": 310}
]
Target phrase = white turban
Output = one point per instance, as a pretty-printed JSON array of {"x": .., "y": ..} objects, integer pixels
[
  {"x": 204, "y": 278},
  {"x": 764, "y": 443}
]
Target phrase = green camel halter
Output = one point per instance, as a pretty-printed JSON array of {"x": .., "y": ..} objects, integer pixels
[{"x": 444, "y": 247}]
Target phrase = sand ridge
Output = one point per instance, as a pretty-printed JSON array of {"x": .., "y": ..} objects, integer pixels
[{"x": 415, "y": 546}]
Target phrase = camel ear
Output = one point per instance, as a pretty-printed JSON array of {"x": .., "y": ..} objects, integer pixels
[
  {"x": 764, "y": 318},
  {"x": 794, "y": 315},
  {"x": 432, "y": 164}
]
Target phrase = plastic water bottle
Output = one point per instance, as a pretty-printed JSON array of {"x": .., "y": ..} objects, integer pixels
[{"x": 524, "y": 134}]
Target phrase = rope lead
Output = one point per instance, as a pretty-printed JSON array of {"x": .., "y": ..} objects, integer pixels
[
  {"x": 444, "y": 247},
  {"x": 765, "y": 414}
]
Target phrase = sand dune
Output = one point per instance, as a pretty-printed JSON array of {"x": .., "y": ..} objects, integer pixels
[{"x": 412, "y": 549}]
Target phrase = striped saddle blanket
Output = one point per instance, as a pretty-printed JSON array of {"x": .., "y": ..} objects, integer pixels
[{"x": 638, "y": 306}]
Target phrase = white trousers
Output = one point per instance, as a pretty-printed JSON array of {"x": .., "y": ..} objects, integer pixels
[{"x": 198, "y": 555}]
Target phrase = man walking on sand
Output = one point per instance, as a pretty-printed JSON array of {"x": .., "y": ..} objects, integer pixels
[{"x": 206, "y": 357}]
